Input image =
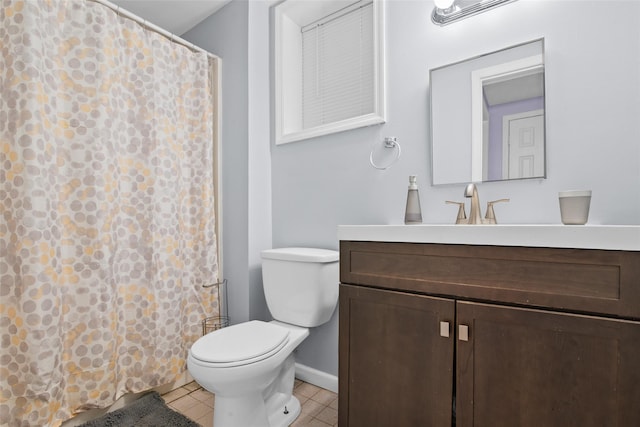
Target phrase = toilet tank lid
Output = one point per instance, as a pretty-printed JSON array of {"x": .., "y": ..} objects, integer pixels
[{"x": 301, "y": 254}]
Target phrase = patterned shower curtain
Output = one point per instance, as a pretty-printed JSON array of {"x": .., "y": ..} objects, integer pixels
[{"x": 107, "y": 218}]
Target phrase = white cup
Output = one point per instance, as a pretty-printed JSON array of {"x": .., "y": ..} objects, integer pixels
[{"x": 574, "y": 206}]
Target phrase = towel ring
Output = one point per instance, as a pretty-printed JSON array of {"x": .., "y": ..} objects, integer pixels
[{"x": 389, "y": 142}]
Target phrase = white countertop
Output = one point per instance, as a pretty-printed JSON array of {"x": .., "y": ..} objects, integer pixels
[{"x": 608, "y": 237}]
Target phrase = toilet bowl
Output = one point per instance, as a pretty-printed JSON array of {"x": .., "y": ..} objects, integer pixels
[
  {"x": 250, "y": 366},
  {"x": 240, "y": 377}
]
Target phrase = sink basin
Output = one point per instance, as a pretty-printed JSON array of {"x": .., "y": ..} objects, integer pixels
[{"x": 608, "y": 237}]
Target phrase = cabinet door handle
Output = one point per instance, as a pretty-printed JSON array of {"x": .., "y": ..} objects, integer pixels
[
  {"x": 444, "y": 329},
  {"x": 463, "y": 332}
]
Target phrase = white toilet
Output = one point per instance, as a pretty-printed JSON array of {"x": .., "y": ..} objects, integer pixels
[{"x": 250, "y": 366}]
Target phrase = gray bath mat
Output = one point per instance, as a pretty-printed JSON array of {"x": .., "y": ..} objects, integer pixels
[{"x": 147, "y": 411}]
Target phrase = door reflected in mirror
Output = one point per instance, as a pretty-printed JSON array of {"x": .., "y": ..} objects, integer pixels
[{"x": 487, "y": 117}]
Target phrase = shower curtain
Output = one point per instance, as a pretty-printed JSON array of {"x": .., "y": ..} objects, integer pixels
[{"x": 107, "y": 228}]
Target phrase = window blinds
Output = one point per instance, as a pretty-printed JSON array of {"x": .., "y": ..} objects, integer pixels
[{"x": 338, "y": 67}]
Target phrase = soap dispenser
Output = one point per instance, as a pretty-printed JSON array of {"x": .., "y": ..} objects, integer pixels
[{"x": 413, "y": 213}]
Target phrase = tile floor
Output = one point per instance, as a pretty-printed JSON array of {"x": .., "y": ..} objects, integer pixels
[{"x": 319, "y": 406}]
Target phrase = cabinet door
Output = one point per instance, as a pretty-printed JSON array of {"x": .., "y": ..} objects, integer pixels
[
  {"x": 396, "y": 369},
  {"x": 531, "y": 368}
]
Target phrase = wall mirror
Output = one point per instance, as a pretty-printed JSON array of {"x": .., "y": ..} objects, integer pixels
[{"x": 488, "y": 118}]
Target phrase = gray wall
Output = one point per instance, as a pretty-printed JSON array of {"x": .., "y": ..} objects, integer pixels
[
  {"x": 260, "y": 219},
  {"x": 592, "y": 59},
  {"x": 238, "y": 33}
]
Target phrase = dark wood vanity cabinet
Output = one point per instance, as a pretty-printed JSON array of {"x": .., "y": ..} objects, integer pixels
[
  {"x": 384, "y": 337},
  {"x": 508, "y": 336}
]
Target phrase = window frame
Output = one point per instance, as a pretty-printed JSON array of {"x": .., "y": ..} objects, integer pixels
[{"x": 288, "y": 79}]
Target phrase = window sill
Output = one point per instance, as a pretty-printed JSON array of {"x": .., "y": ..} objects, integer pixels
[{"x": 354, "y": 123}]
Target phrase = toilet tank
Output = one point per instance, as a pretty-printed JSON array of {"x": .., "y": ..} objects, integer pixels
[{"x": 301, "y": 284}]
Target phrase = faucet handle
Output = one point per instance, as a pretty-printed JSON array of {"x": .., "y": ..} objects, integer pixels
[
  {"x": 462, "y": 215},
  {"x": 490, "y": 216}
]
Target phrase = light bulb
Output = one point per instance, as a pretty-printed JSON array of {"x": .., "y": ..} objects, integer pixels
[{"x": 443, "y": 4}]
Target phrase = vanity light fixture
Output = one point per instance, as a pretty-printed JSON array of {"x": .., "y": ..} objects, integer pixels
[{"x": 448, "y": 11}]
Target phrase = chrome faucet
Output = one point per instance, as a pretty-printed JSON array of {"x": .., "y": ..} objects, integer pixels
[{"x": 475, "y": 216}]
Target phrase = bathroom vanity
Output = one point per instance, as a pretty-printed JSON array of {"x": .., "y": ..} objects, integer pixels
[{"x": 489, "y": 326}]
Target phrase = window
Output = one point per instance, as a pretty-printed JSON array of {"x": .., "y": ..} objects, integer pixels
[{"x": 329, "y": 67}]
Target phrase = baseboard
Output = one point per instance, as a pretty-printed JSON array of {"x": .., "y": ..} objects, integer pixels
[{"x": 316, "y": 377}]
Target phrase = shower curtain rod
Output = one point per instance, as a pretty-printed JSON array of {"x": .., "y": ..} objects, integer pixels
[{"x": 153, "y": 27}]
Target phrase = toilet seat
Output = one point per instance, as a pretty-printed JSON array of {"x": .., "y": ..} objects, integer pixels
[{"x": 240, "y": 344}]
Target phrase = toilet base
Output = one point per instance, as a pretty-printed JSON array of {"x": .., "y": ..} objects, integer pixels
[
  {"x": 282, "y": 419},
  {"x": 231, "y": 412}
]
